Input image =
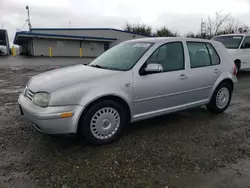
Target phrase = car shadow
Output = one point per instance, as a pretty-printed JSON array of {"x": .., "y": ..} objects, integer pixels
[
  {"x": 243, "y": 74},
  {"x": 170, "y": 123},
  {"x": 178, "y": 118}
]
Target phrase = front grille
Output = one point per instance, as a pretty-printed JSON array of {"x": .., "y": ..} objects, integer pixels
[{"x": 29, "y": 94}]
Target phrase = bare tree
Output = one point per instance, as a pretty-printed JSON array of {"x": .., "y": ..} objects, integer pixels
[
  {"x": 222, "y": 24},
  {"x": 215, "y": 24},
  {"x": 232, "y": 25}
]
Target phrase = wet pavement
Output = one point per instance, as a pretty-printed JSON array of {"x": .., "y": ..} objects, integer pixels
[
  {"x": 192, "y": 149},
  {"x": 26, "y": 61}
]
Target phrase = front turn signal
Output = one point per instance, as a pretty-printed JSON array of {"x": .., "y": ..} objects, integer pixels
[{"x": 67, "y": 114}]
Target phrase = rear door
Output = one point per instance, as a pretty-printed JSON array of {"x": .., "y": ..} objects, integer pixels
[{"x": 203, "y": 72}]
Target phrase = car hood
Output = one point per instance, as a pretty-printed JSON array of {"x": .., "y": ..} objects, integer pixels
[{"x": 58, "y": 78}]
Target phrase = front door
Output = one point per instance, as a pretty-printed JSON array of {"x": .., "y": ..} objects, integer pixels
[
  {"x": 158, "y": 93},
  {"x": 203, "y": 73},
  {"x": 244, "y": 53}
]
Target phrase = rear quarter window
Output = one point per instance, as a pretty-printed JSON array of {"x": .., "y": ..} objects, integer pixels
[{"x": 215, "y": 58}]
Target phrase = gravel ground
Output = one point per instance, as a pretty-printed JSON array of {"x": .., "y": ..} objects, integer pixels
[{"x": 193, "y": 148}]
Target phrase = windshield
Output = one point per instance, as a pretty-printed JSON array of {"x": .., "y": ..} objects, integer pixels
[
  {"x": 122, "y": 57},
  {"x": 230, "y": 42}
]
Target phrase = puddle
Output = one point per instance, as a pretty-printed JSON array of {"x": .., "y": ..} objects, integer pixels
[
  {"x": 235, "y": 175},
  {"x": 10, "y": 103},
  {"x": 4, "y": 82}
]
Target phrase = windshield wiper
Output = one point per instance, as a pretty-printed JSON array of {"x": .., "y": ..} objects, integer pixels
[{"x": 98, "y": 66}]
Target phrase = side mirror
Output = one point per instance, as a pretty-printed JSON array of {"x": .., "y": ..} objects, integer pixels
[{"x": 153, "y": 68}]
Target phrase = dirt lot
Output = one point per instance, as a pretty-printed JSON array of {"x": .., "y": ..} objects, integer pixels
[{"x": 190, "y": 149}]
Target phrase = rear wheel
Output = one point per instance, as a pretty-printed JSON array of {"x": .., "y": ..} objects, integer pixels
[
  {"x": 221, "y": 98},
  {"x": 103, "y": 122}
]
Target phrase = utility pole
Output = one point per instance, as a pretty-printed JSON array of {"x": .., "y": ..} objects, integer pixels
[
  {"x": 29, "y": 23},
  {"x": 2, "y": 26},
  {"x": 69, "y": 24}
]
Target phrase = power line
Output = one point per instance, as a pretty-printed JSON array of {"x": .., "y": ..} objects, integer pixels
[{"x": 23, "y": 26}]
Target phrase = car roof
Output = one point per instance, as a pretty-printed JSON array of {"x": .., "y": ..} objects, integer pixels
[
  {"x": 166, "y": 39},
  {"x": 235, "y": 34}
]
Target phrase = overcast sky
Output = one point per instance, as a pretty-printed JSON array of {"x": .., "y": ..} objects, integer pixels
[{"x": 178, "y": 15}]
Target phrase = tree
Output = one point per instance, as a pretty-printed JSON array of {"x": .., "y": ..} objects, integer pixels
[
  {"x": 222, "y": 24},
  {"x": 219, "y": 24},
  {"x": 165, "y": 32},
  {"x": 190, "y": 35},
  {"x": 216, "y": 24},
  {"x": 140, "y": 29}
]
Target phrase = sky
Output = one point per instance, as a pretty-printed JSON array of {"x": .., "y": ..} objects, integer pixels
[{"x": 180, "y": 16}]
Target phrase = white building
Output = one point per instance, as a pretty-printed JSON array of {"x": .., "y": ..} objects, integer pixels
[{"x": 71, "y": 42}]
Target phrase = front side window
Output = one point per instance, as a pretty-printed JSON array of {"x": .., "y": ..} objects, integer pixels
[
  {"x": 246, "y": 43},
  {"x": 170, "y": 56},
  {"x": 230, "y": 42},
  {"x": 121, "y": 57}
]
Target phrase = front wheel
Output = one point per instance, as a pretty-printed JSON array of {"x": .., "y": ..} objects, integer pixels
[
  {"x": 221, "y": 98},
  {"x": 103, "y": 122}
]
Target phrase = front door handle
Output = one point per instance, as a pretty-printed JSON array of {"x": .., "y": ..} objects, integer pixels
[
  {"x": 183, "y": 77},
  {"x": 216, "y": 71}
]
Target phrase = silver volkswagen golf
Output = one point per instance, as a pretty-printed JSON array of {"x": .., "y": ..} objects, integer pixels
[{"x": 135, "y": 80}]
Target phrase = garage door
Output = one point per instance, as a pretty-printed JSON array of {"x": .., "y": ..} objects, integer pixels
[{"x": 59, "y": 47}]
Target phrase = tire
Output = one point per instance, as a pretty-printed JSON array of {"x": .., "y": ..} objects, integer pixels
[
  {"x": 214, "y": 106},
  {"x": 103, "y": 122}
]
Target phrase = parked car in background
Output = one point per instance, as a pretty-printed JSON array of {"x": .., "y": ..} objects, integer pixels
[
  {"x": 132, "y": 81},
  {"x": 238, "y": 46},
  {"x": 3, "y": 50}
]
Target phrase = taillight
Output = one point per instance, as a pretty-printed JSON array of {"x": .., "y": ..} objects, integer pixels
[{"x": 235, "y": 70}]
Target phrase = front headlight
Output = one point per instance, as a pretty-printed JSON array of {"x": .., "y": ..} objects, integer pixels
[{"x": 41, "y": 99}]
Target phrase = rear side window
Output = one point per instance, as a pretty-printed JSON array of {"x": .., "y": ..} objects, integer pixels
[{"x": 202, "y": 54}]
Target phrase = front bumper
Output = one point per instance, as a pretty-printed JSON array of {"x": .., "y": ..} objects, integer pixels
[{"x": 48, "y": 120}]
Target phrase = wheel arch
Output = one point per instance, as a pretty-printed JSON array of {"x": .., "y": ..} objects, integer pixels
[
  {"x": 220, "y": 81},
  {"x": 228, "y": 81},
  {"x": 237, "y": 59},
  {"x": 115, "y": 98},
  {"x": 237, "y": 63}
]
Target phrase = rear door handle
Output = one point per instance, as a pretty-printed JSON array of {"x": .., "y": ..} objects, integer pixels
[
  {"x": 216, "y": 71},
  {"x": 183, "y": 77}
]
